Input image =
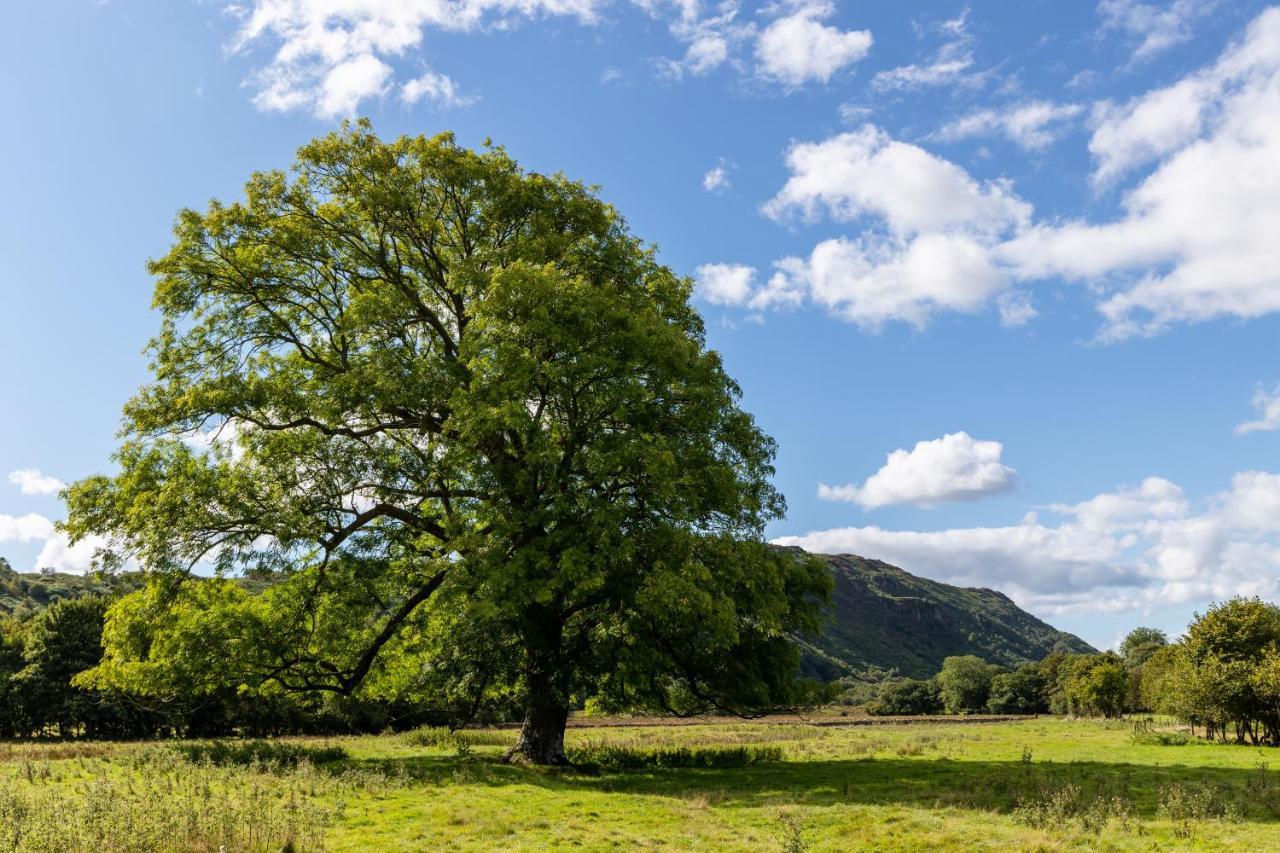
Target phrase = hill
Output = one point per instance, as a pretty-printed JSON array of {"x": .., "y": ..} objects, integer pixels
[
  {"x": 882, "y": 617},
  {"x": 23, "y": 594}
]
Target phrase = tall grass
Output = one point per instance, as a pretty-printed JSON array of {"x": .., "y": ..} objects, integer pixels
[{"x": 161, "y": 800}]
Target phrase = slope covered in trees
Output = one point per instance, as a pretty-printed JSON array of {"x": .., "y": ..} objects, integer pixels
[
  {"x": 882, "y": 617},
  {"x": 24, "y": 594}
]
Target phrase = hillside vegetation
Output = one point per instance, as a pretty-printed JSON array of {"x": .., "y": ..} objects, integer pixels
[
  {"x": 25, "y": 594},
  {"x": 882, "y": 617}
]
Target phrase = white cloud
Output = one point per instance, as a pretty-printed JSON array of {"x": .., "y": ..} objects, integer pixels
[
  {"x": 711, "y": 39},
  {"x": 31, "y": 527},
  {"x": 60, "y": 555},
  {"x": 1047, "y": 568},
  {"x": 1033, "y": 126},
  {"x": 1266, "y": 402},
  {"x": 1156, "y": 497},
  {"x": 943, "y": 70},
  {"x": 1132, "y": 548},
  {"x": 30, "y": 481},
  {"x": 329, "y": 57},
  {"x": 871, "y": 281},
  {"x": 1015, "y": 308},
  {"x": 436, "y": 88},
  {"x": 1147, "y": 127},
  {"x": 956, "y": 467},
  {"x": 798, "y": 49},
  {"x": 865, "y": 172},
  {"x": 350, "y": 82},
  {"x": 1159, "y": 25},
  {"x": 725, "y": 284},
  {"x": 717, "y": 178},
  {"x": 950, "y": 64},
  {"x": 933, "y": 251},
  {"x": 1197, "y": 237}
]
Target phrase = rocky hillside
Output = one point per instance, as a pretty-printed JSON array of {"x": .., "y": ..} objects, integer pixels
[{"x": 883, "y": 617}]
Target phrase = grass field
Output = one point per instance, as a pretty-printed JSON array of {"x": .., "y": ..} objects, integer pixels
[{"x": 1025, "y": 785}]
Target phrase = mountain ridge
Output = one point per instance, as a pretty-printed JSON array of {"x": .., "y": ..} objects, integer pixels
[{"x": 883, "y": 617}]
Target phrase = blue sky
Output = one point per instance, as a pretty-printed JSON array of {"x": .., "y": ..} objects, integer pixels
[{"x": 1029, "y": 249}]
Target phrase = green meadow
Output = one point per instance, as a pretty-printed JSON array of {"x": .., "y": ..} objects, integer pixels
[{"x": 1036, "y": 784}]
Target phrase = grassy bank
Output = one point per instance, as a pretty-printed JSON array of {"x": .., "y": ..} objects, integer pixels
[{"x": 1031, "y": 784}]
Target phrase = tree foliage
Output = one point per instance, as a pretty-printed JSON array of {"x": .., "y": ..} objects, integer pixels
[
  {"x": 1224, "y": 674},
  {"x": 463, "y": 422},
  {"x": 907, "y": 696},
  {"x": 1094, "y": 684},
  {"x": 1018, "y": 692},
  {"x": 964, "y": 684}
]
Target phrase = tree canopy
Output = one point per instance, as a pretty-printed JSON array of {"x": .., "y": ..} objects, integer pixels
[{"x": 465, "y": 428}]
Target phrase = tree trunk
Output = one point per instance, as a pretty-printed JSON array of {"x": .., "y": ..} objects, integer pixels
[
  {"x": 547, "y": 702},
  {"x": 542, "y": 735}
]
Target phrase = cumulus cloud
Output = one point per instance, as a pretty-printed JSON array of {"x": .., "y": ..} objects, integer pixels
[
  {"x": 798, "y": 48},
  {"x": 1134, "y": 547},
  {"x": 30, "y": 481},
  {"x": 1156, "y": 26},
  {"x": 60, "y": 555},
  {"x": 867, "y": 173},
  {"x": 1033, "y": 125},
  {"x": 57, "y": 552},
  {"x": 31, "y": 527},
  {"x": 956, "y": 467},
  {"x": 1196, "y": 240},
  {"x": 436, "y": 88},
  {"x": 725, "y": 284},
  {"x": 1266, "y": 403},
  {"x": 931, "y": 251}
]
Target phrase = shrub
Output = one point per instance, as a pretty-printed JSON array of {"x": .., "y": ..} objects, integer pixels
[{"x": 1066, "y": 807}]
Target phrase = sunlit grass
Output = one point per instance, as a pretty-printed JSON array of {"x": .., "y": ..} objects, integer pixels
[{"x": 1036, "y": 784}]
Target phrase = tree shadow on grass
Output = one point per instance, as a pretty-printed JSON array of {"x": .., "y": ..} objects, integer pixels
[{"x": 931, "y": 783}]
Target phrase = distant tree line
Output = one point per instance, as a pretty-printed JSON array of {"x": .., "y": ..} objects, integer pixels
[
  {"x": 1222, "y": 677},
  {"x": 1062, "y": 683},
  {"x": 42, "y": 652}
]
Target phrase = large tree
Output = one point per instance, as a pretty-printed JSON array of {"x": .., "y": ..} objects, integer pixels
[{"x": 466, "y": 427}]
